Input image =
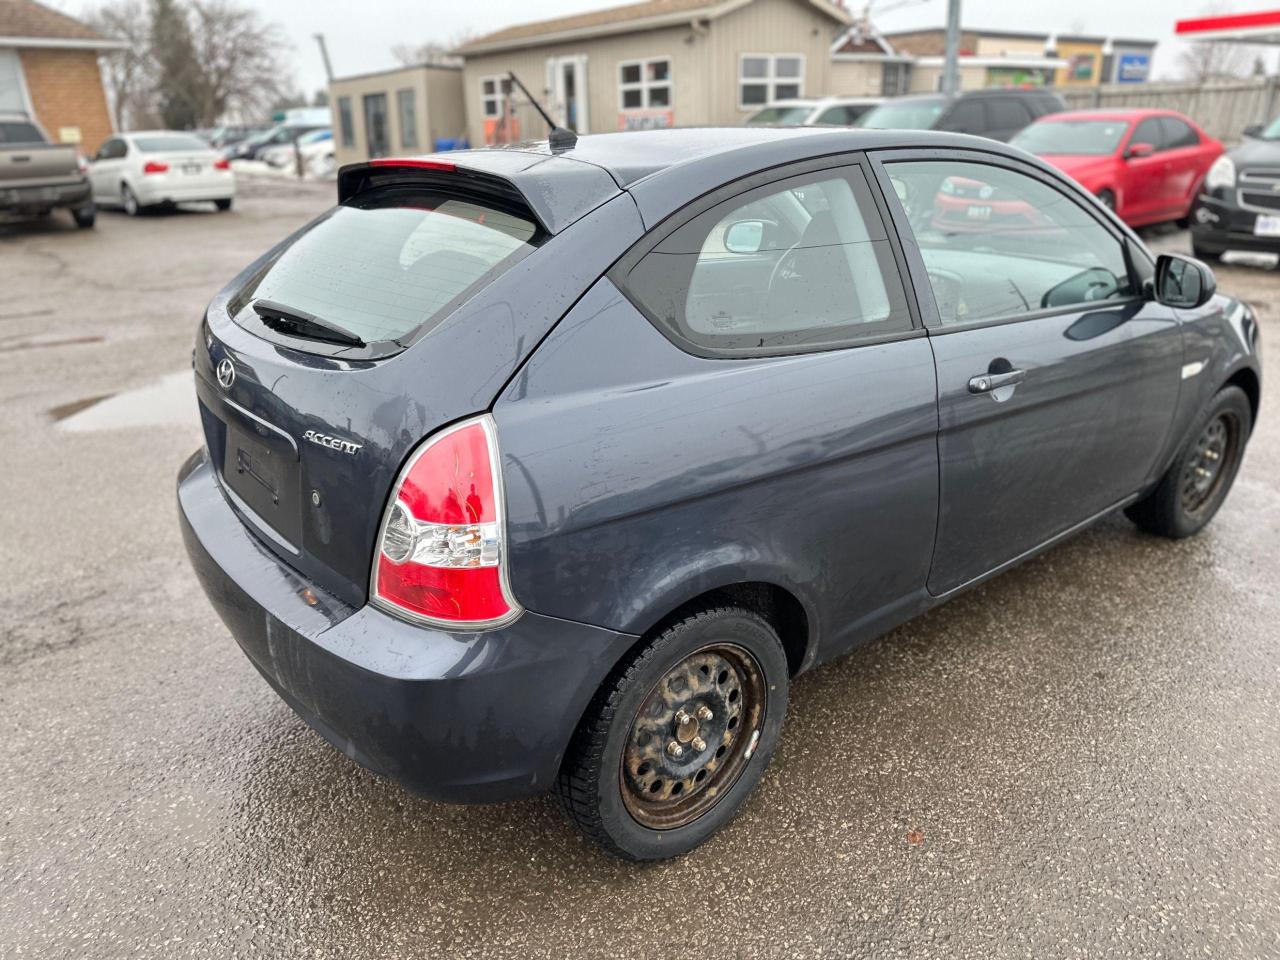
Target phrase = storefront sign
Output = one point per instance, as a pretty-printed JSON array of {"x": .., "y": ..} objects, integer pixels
[{"x": 1133, "y": 68}]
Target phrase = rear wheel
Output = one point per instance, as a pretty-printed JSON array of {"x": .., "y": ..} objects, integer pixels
[
  {"x": 85, "y": 216},
  {"x": 223, "y": 205},
  {"x": 1198, "y": 480},
  {"x": 678, "y": 736},
  {"x": 129, "y": 202}
]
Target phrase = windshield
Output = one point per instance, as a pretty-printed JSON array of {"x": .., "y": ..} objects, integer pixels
[
  {"x": 386, "y": 264},
  {"x": 904, "y": 115},
  {"x": 785, "y": 115},
  {"x": 169, "y": 142},
  {"x": 1078, "y": 137},
  {"x": 1272, "y": 132}
]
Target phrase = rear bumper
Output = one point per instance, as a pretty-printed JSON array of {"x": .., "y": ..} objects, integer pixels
[
  {"x": 35, "y": 198},
  {"x": 1219, "y": 225},
  {"x": 456, "y": 717},
  {"x": 171, "y": 188}
]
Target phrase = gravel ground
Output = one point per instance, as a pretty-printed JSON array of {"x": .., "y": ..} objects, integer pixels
[{"x": 1081, "y": 758}]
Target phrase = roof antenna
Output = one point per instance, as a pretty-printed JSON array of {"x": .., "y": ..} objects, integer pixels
[{"x": 559, "y": 138}]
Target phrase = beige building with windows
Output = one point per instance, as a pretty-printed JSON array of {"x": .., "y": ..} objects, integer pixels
[
  {"x": 396, "y": 112},
  {"x": 654, "y": 64}
]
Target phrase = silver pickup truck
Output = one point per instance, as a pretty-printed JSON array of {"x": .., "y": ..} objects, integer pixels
[{"x": 37, "y": 176}]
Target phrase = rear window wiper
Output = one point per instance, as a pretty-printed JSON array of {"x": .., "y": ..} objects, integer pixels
[{"x": 299, "y": 323}]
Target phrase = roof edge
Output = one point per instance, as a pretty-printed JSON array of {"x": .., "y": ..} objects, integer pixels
[
  {"x": 60, "y": 43},
  {"x": 711, "y": 11}
]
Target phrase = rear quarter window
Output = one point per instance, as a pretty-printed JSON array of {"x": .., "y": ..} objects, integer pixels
[
  {"x": 389, "y": 265},
  {"x": 798, "y": 265}
]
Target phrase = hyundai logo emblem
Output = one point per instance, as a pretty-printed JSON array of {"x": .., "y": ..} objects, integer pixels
[{"x": 226, "y": 374}]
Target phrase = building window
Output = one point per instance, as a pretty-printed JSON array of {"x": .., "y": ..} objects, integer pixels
[
  {"x": 346, "y": 125},
  {"x": 408, "y": 118},
  {"x": 645, "y": 84},
  {"x": 494, "y": 94},
  {"x": 764, "y": 77}
]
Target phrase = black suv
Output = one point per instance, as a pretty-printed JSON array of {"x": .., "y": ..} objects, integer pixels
[
  {"x": 997, "y": 113},
  {"x": 1238, "y": 207}
]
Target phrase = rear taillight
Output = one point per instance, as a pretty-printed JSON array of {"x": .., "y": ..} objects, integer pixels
[
  {"x": 222, "y": 164},
  {"x": 441, "y": 548},
  {"x": 155, "y": 166}
]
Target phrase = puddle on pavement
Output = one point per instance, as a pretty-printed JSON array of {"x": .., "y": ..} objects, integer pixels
[{"x": 169, "y": 402}]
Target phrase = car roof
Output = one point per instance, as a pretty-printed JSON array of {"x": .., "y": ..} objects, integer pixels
[
  {"x": 662, "y": 169},
  {"x": 819, "y": 101},
  {"x": 1113, "y": 113},
  {"x": 159, "y": 133}
]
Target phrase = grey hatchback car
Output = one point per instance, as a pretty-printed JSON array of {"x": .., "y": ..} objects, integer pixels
[{"x": 531, "y": 469}]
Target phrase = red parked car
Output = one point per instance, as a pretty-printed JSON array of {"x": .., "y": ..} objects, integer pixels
[{"x": 1146, "y": 165}]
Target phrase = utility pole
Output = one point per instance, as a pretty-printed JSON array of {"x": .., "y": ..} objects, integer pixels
[
  {"x": 951, "y": 68},
  {"x": 324, "y": 54}
]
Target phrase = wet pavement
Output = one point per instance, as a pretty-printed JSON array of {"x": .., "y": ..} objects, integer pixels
[{"x": 1079, "y": 759}]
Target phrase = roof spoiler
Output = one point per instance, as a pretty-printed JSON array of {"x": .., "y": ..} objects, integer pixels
[{"x": 556, "y": 191}]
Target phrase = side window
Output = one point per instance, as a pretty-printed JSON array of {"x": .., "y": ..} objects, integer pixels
[
  {"x": 803, "y": 263},
  {"x": 1149, "y": 131},
  {"x": 835, "y": 116},
  {"x": 346, "y": 127},
  {"x": 1005, "y": 113},
  {"x": 998, "y": 243},
  {"x": 1178, "y": 134},
  {"x": 965, "y": 117}
]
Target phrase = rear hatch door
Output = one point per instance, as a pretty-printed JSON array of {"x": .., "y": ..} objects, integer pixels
[{"x": 407, "y": 307}]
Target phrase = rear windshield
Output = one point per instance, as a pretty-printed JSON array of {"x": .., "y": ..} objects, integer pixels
[
  {"x": 1072, "y": 137},
  {"x": 904, "y": 115},
  {"x": 385, "y": 265},
  {"x": 168, "y": 143},
  {"x": 20, "y": 132}
]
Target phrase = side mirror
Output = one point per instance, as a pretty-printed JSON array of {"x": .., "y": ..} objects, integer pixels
[
  {"x": 1183, "y": 282},
  {"x": 1139, "y": 150},
  {"x": 1253, "y": 131},
  {"x": 744, "y": 236}
]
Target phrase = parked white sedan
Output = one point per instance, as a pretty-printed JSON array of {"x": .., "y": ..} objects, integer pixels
[{"x": 159, "y": 167}]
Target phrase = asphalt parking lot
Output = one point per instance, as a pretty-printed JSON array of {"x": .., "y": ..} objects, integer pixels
[{"x": 1079, "y": 759}]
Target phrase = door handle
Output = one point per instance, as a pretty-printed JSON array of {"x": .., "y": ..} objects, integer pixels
[{"x": 986, "y": 382}]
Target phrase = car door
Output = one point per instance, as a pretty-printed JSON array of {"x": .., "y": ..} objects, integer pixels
[
  {"x": 1146, "y": 186},
  {"x": 1056, "y": 378},
  {"x": 1182, "y": 148}
]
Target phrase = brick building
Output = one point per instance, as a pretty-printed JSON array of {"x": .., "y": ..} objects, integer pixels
[{"x": 49, "y": 70}]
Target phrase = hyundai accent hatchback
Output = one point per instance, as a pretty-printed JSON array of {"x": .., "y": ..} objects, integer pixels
[{"x": 530, "y": 469}]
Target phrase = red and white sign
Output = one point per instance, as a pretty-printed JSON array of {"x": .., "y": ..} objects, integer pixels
[{"x": 1260, "y": 27}]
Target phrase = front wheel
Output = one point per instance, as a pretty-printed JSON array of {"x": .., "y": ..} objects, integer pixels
[
  {"x": 678, "y": 736},
  {"x": 1198, "y": 480},
  {"x": 1108, "y": 200},
  {"x": 1205, "y": 253}
]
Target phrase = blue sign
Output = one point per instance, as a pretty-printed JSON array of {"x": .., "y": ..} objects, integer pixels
[{"x": 1133, "y": 68}]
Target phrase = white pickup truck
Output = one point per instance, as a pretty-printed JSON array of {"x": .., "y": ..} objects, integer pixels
[{"x": 37, "y": 176}]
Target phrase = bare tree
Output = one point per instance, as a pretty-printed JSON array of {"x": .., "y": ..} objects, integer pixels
[
  {"x": 238, "y": 67},
  {"x": 1214, "y": 60},
  {"x": 129, "y": 74},
  {"x": 192, "y": 63},
  {"x": 433, "y": 51}
]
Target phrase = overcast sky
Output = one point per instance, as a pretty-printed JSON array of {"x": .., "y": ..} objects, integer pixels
[{"x": 361, "y": 42}]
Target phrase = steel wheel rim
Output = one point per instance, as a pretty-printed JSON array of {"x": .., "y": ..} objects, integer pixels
[
  {"x": 1211, "y": 455},
  {"x": 711, "y": 704}
]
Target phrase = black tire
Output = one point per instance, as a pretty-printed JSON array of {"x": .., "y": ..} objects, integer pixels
[
  {"x": 129, "y": 201},
  {"x": 598, "y": 779},
  {"x": 223, "y": 205},
  {"x": 1178, "y": 507},
  {"x": 85, "y": 216},
  {"x": 1108, "y": 199}
]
